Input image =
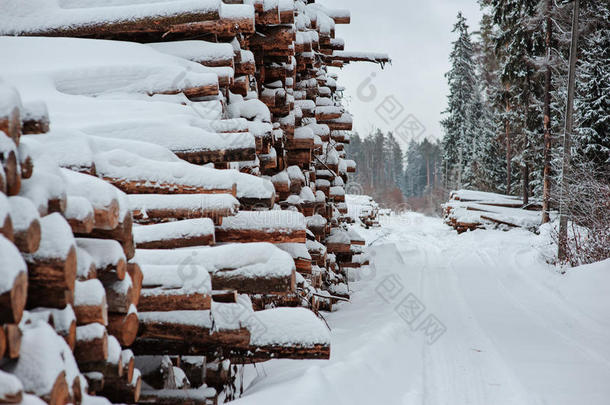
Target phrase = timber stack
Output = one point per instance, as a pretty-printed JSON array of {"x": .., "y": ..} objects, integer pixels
[
  {"x": 172, "y": 195},
  {"x": 468, "y": 210}
]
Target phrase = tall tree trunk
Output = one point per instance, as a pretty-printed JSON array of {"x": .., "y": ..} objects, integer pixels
[
  {"x": 508, "y": 152},
  {"x": 526, "y": 184},
  {"x": 546, "y": 186},
  {"x": 567, "y": 133}
]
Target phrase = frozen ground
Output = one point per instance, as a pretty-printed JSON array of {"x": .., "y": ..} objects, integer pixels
[{"x": 517, "y": 331}]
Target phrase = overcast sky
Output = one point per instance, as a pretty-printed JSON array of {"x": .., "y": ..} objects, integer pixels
[{"x": 417, "y": 35}]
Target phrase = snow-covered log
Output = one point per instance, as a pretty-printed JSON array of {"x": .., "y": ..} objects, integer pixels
[
  {"x": 13, "y": 283},
  {"x": 26, "y": 224},
  {"x": 45, "y": 364},
  {"x": 248, "y": 267},
  {"x": 91, "y": 343},
  {"x": 134, "y": 174},
  {"x": 90, "y": 302},
  {"x": 52, "y": 268},
  {"x": 154, "y": 208},
  {"x": 123, "y": 391},
  {"x": 11, "y": 389},
  {"x": 80, "y": 214},
  {"x": 10, "y": 164},
  {"x": 263, "y": 226},
  {"x": 103, "y": 197},
  {"x": 124, "y": 326},
  {"x": 119, "y": 295},
  {"x": 171, "y": 235},
  {"x": 108, "y": 256}
]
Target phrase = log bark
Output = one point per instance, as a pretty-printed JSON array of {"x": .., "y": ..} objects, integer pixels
[
  {"x": 277, "y": 38},
  {"x": 105, "y": 367},
  {"x": 256, "y": 354},
  {"x": 226, "y": 27},
  {"x": 201, "y": 240},
  {"x": 118, "y": 390},
  {"x": 194, "y": 92},
  {"x": 119, "y": 295},
  {"x": 201, "y": 157},
  {"x": 264, "y": 301},
  {"x": 224, "y": 280},
  {"x": 51, "y": 280},
  {"x": 150, "y": 187},
  {"x": 13, "y": 301},
  {"x": 227, "y": 297},
  {"x": 287, "y": 17},
  {"x": 95, "y": 381},
  {"x": 127, "y": 27},
  {"x": 159, "y": 299},
  {"x": 86, "y": 314},
  {"x": 260, "y": 235},
  {"x": 338, "y": 247},
  {"x": 35, "y": 126},
  {"x": 167, "y": 214},
  {"x": 2, "y": 343},
  {"x": 121, "y": 233},
  {"x": 177, "y": 397},
  {"x": 110, "y": 264},
  {"x": 241, "y": 85},
  {"x": 91, "y": 350},
  {"x": 194, "y": 370}
]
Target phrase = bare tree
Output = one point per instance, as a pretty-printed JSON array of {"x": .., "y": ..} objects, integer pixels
[{"x": 587, "y": 237}]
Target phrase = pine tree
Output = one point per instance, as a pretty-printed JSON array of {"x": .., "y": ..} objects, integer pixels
[
  {"x": 488, "y": 151},
  {"x": 460, "y": 125},
  {"x": 592, "y": 104},
  {"x": 519, "y": 42}
]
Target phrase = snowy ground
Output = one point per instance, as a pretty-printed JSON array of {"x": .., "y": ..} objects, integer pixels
[{"x": 517, "y": 331}]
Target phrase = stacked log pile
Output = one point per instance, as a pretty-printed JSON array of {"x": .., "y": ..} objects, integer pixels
[
  {"x": 156, "y": 133},
  {"x": 66, "y": 285},
  {"x": 364, "y": 210},
  {"x": 468, "y": 210}
]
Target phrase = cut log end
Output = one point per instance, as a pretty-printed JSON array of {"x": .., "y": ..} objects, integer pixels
[{"x": 12, "y": 302}]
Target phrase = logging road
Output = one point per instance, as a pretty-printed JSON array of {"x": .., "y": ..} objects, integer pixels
[{"x": 517, "y": 332}]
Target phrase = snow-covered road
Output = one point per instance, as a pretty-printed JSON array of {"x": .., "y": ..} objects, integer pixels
[{"x": 515, "y": 330}]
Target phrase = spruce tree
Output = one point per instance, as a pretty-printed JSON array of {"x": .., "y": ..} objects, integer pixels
[
  {"x": 592, "y": 104},
  {"x": 519, "y": 42},
  {"x": 460, "y": 124}
]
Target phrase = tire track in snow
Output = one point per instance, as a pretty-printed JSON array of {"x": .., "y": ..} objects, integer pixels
[{"x": 453, "y": 371}]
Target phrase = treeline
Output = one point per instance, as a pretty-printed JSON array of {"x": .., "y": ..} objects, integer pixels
[
  {"x": 506, "y": 116},
  {"x": 392, "y": 176}
]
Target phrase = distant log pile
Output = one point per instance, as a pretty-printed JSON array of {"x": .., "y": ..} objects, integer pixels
[
  {"x": 364, "y": 209},
  {"x": 172, "y": 200},
  {"x": 468, "y": 210}
]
